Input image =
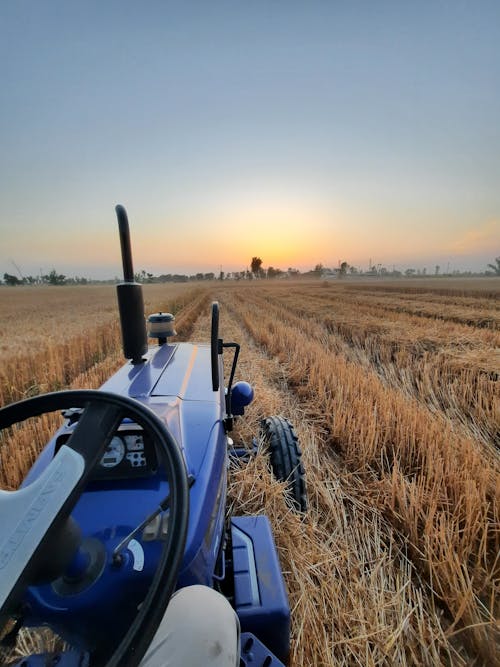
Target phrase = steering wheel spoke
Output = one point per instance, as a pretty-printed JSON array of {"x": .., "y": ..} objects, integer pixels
[{"x": 28, "y": 515}]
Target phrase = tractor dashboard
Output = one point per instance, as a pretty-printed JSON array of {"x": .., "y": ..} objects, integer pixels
[{"x": 130, "y": 454}]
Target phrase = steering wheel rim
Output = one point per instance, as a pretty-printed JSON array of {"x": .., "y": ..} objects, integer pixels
[{"x": 104, "y": 411}]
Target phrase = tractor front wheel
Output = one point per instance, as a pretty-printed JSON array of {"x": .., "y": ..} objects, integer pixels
[{"x": 285, "y": 456}]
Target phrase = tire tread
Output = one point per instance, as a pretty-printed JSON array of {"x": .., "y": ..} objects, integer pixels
[{"x": 285, "y": 457}]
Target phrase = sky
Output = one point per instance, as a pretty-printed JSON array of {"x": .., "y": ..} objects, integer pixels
[{"x": 300, "y": 132}]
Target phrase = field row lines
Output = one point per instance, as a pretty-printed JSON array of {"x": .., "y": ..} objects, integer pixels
[
  {"x": 356, "y": 597},
  {"x": 437, "y": 487}
]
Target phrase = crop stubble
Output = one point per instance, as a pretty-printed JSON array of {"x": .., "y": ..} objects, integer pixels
[{"x": 395, "y": 396}]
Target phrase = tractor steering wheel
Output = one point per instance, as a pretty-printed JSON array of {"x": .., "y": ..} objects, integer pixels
[{"x": 34, "y": 515}]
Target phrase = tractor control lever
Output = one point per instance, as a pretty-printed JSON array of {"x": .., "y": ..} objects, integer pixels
[{"x": 117, "y": 558}]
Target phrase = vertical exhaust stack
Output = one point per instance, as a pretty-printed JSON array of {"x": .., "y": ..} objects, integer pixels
[{"x": 130, "y": 301}]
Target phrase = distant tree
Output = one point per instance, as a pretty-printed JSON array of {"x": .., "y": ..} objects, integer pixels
[
  {"x": 495, "y": 267},
  {"x": 436, "y": 270},
  {"x": 11, "y": 280},
  {"x": 141, "y": 276},
  {"x": 343, "y": 269},
  {"x": 255, "y": 266},
  {"x": 273, "y": 273},
  {"x": 221, "y": 275},
  {"x": 146, "y": 277},
  {"x": 410, "y": 272},
  {"x": 318, "y": 269},
  {"x": 54, "y": 278}
]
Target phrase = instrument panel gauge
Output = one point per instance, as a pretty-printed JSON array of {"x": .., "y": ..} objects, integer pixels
[
  {"x": 114, "y": 453},
  {"x": 135, "y": 442}
]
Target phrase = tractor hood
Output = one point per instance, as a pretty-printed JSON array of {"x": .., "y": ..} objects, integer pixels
[
  {"x": 180, "y": 371},
  {"x": 175, "y": 382}
]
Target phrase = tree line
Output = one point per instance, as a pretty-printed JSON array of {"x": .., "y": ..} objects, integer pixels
[
  {"x": 51, "y": 278},
  {"x": 255, "y": 272}
]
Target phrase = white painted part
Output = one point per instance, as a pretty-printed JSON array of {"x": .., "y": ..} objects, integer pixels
[
  {"x": 27, "y": 514},
  {"x": 138, "y": 553}
]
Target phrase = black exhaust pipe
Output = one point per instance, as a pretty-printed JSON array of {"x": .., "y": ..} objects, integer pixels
[{"x": 130, "y": 301}]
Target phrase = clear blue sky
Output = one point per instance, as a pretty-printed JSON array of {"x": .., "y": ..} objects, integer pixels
[{"x": 301, "y": 132}]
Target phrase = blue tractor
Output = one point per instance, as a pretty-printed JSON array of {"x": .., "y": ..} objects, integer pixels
[{"x": 127, "y": 502}]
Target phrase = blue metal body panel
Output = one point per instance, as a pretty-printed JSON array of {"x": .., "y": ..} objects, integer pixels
[
  {"x": 260, "y": 596},
  {"x": 253, "y": 653},
  {"x": 110, "y": 509},
  {"x": 175, "y": 382}
]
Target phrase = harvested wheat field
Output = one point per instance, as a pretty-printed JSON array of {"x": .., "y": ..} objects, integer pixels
[{"x": 394, "y": 392}]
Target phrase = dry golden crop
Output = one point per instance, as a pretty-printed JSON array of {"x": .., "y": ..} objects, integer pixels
[
  {"x": 394, "y": 391},
  {"x": 60, "y": 338}
]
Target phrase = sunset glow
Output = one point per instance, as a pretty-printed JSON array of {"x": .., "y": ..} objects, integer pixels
[{"x": 337, "y": 135}]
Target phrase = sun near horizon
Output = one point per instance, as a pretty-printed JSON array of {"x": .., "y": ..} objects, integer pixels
[{"x": 311, "y": 133}]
